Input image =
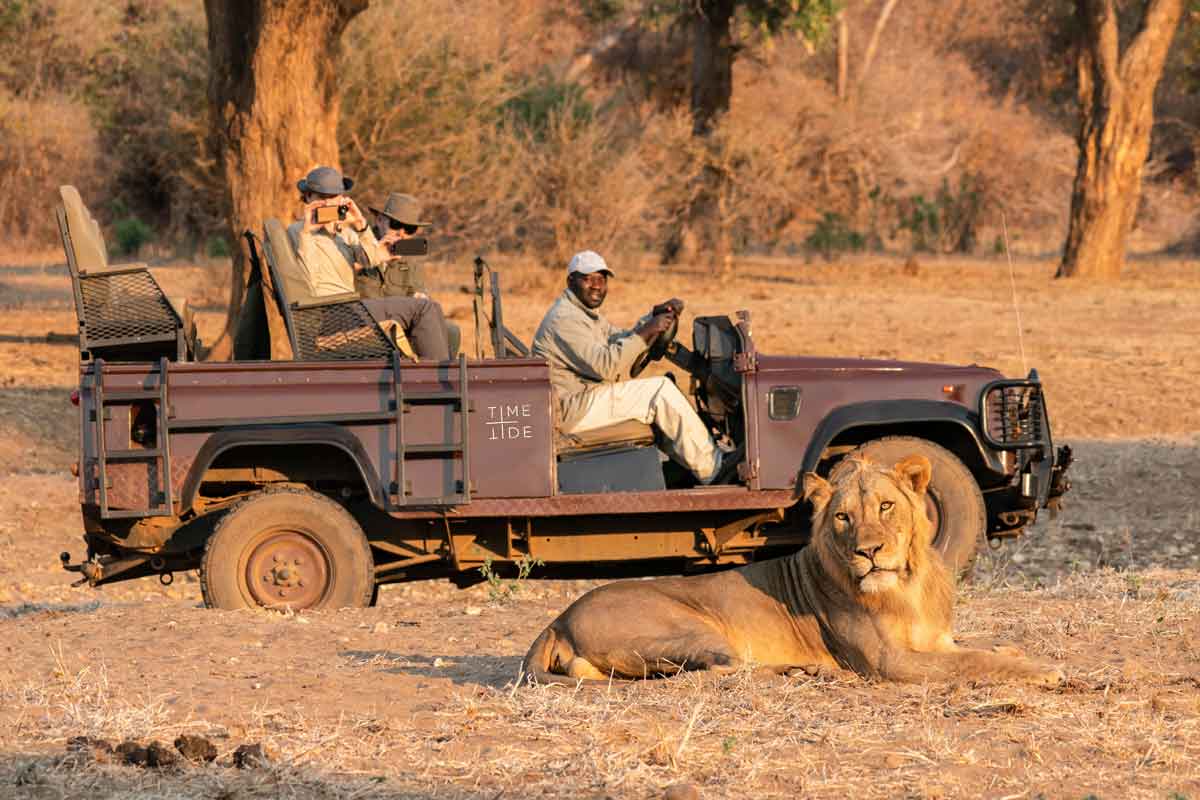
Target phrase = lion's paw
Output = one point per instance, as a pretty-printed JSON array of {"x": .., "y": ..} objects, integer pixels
[
  {"x": 1008, "y": 650},
  {"x": 1050, "y": 676}
]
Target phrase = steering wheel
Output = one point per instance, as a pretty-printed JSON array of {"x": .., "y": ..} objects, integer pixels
[{"x": 657, "y": 348}]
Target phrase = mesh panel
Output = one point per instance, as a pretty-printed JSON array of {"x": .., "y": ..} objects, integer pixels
[
  {"x": 1014, "y": 415},
  {"x": 125, "y": 306},
  {"x": 340, "y": 331}
]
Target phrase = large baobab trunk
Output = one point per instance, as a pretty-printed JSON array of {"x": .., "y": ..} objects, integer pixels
[
  {"x": 274, "y": 109},
  {"x": 1116, "y": 98}
]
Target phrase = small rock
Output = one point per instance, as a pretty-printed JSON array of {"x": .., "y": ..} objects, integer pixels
[
  {"x": 380, "y": 627},
  {"x": 682, "y": 791},
  {"x": 130, "y": 752},
  {"x": 472, "y": 611},
  {"x": 195, "y": 748},
  {"x": 302, "y": 620},
  {"x": 249, "y": 756},
  {"x": 98, "y": 750},
  {"x": 159, "y": 755},
  {"x": 437, "y": 662}
]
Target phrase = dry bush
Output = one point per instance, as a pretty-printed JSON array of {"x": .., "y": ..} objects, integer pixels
[
  {"x": 150, "y": 101},
  {"x": 44, "y": 142},
  {"x": 922, "y": 125}
]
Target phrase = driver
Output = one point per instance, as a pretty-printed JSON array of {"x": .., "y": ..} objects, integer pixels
[{"x": 590, "y": 359}]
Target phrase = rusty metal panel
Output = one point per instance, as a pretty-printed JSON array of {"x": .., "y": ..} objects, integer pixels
[
  {"x": 830, "y": 383},
  {"x": 587, "y": 547},
  {"x": 711, "y": 498},
  {"x": 510, "y": 422},
  {"x": 132, "y": 484}
]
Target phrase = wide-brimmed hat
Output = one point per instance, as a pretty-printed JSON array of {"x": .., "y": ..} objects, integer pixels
[
  {"x": 585, "y": 262},
  {"x": 324, "y": 180},
  {"x": 404, "y": 208}
]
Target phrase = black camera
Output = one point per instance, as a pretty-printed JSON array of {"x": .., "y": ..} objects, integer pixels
[{"x": 414, "y": 246}]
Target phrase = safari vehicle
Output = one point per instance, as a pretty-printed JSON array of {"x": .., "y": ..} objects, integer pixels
[{"x": 310, "y": 479}]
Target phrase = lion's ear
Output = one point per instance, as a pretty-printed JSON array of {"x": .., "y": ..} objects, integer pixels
[
  {"x": 914, "y": 472},
  {"x": 817, "y": 491}
]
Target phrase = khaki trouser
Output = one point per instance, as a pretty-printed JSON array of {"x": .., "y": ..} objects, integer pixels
[
  {"x": 657, "y": 402},
  {"x": 421, "y": 319}
]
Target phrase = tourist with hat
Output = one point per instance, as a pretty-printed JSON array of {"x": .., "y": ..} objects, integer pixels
[
  {"x": 590, "y": 360},
  {"x": 397, "y": 220},
  {"x": 397, "y": 275},
  {"x": 333, "y": 242}
]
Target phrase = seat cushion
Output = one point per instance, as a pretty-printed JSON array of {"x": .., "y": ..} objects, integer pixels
[{"x": 630, "y": 432}]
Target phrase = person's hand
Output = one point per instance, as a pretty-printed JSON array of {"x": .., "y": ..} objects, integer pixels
[
  {"x": 310, "y": 213},
  {"x": 652, "y": 328},
  {"x": 387, "y": 240},
  {"x": 674, "y": 306},
  {"x": 354, "y": 215}
]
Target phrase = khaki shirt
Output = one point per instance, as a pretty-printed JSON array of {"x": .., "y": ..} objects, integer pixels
[
  {"x": 401, "y": 277},
  {"x": 327, "y": 259},
  {"x": 584, "y": 350}
]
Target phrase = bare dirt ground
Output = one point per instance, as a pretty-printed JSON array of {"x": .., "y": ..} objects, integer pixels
[{"x": 417, "y": 698}]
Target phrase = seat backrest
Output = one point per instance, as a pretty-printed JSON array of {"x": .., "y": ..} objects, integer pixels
[
  {"x": 85, "y": 240},
  {"x": 286, "y": 273}
]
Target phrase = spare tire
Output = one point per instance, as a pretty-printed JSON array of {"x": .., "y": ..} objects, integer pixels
[{"x": 953, "y": 500}]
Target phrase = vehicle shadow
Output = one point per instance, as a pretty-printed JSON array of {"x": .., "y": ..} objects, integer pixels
[{"x": 463, "y": 670}]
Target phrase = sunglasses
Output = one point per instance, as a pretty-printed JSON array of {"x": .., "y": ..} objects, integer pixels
[{"x": 397, "y": 226}]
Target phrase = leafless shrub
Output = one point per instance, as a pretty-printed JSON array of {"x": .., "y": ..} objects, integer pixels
[{"x": 43, "y": 142}]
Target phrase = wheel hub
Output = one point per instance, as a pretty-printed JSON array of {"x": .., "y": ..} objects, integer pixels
[{"x": 287, "y": 568}]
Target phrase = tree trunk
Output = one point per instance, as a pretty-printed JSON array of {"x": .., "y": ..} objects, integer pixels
[
  {"x": 703, "y": 230},
  {"x": 274, "y": 103},
  {"x": 843, "y": 55},
  {"x": 712, "y": 62},
  {"x": 1116, "y": 100}
]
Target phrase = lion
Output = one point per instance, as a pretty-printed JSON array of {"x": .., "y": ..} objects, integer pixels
[{"x": 869, "y": 594}]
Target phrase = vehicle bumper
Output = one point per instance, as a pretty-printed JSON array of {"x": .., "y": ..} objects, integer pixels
[{"x": 1015, "y": 419}]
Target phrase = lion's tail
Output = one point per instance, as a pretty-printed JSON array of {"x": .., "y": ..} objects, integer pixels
[{"x": 550, "y": 649}]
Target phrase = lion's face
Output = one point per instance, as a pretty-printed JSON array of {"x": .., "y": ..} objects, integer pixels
[{"x": 871, "y": 520}]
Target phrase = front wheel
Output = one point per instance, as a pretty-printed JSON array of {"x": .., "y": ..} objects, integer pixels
[
  {"x": 287, "y": 549},
  {"x": 953, "y": 501}
]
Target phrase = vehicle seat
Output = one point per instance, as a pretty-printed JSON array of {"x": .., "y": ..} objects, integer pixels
[
  {"x": 124, "y": 315},
  {"x": 630, "y": 433},
  {"x": 330, "y": 328}
]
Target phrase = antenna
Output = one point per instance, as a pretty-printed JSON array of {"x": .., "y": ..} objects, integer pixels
[{"x": 1012, "y": 279}]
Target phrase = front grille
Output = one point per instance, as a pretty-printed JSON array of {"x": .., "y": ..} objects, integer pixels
[{"x": 1013, "y": 415}]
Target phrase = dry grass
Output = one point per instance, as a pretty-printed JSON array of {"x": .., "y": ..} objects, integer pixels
[
  {"x": 417, "y": 698},
  {"x": 1125, "y": 725}
]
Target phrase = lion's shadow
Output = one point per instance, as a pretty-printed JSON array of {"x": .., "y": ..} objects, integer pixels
[{"x": 464, "y": 670}]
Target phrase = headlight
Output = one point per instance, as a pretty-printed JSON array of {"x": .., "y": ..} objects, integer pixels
[{"x": 1013, "y": 415}]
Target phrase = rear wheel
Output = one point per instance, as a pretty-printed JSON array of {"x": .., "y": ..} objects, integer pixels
[
  {"x": 953, "y": 501},
  {"x": 287, "y": 549}
]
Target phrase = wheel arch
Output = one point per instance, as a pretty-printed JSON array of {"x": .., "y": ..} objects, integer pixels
[
  {"x": 948, "y": 424},
  {"x": 332, "y": 440}
]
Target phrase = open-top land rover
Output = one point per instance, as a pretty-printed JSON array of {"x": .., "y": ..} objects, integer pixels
[{"x": 311, "y": 478}]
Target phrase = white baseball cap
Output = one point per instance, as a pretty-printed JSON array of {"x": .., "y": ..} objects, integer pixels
[{"x": 585, "y": 262}]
